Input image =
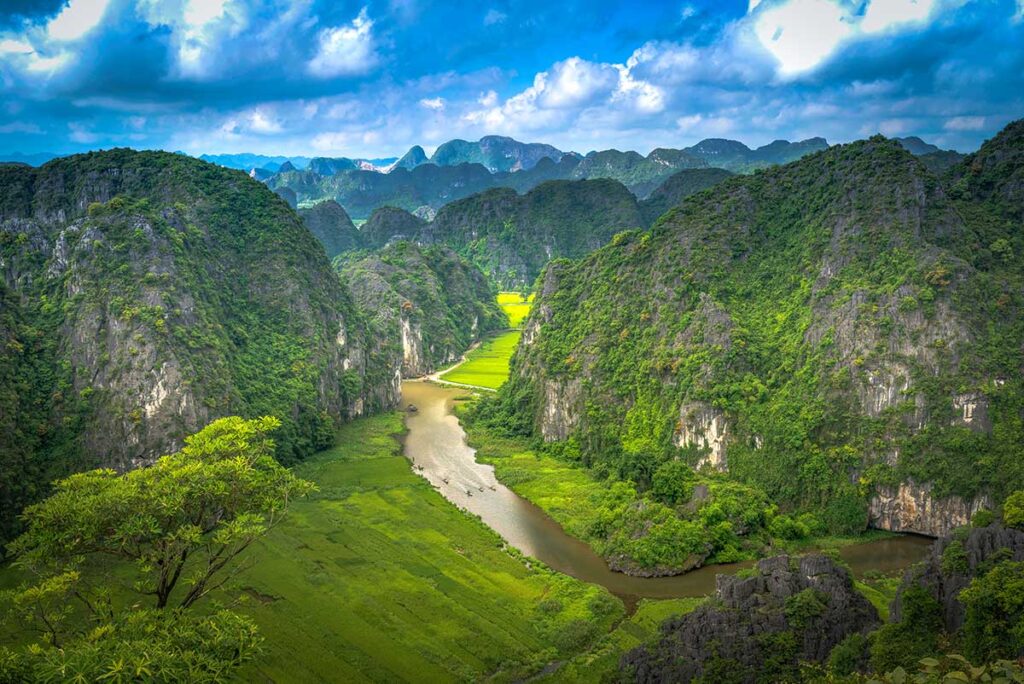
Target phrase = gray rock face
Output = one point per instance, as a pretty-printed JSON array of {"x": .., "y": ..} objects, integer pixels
[
  {"x": 749, "y": 618},
  {"x": 911, "y": 507},
  {"x": 983, "y": 547}
]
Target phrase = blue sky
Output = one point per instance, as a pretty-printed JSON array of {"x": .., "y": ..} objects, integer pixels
[{"x": 312, "y": 77}]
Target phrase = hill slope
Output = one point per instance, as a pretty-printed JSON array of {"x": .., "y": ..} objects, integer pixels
[
  {"x": 839, "y": 332},
  {"x": 427, "y": 303},
  {"x": 145, "y": 294},
  {"x": 331, "y": 225}
]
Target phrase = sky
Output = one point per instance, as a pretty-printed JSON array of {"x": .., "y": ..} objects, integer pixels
[{"x": 372, "y": 78}]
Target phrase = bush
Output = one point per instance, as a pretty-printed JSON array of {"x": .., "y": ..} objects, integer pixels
[
  {"x": 983, "y": 518},
  {"x": 904, "y": 643},
  {"x": 994, "y": 620},
  {"x": 1013, "y": 510},
  {"x": 848, "y": 656},
  {"x": 785, "y": 527}
]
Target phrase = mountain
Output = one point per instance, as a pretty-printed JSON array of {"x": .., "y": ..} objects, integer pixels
[
  {"x": 758, "y": 628},
  {"x": 326, "y": 166},
  {"x": 411, "y": 159},
  {"x": 286, "y": 167},
  {"x": 427, "y": 303},
  {"x": 246, "y": 160},
  {"x": 144, "y": 295},
  {"x": 459, "y": 169},
  {"x": 361, "y": 191},
  {"x": 496, "y": 153},
  {"x": 916, "y": 146},
  {"x": 389, "y": 224},
  {"x": 260, "y": 174},
  {"x": 510, "y": 237},
  {"x": 737, "y": 157},
  {"x": 678, "y": 187},
  {"x": 640, "y": 174},
  {"x": 844, "y": 333},
  {"x": 329, "y": 224}
]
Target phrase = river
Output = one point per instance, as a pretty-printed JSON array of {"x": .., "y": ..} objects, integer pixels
[{"x": 436, "y": 445}]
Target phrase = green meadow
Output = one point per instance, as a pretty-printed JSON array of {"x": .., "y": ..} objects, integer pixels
[
  {"x": 515, "y": 306},
  {"x": 487, "y": 365},
  {"x": 376, "y": 577}
]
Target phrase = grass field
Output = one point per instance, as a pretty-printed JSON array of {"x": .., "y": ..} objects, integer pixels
[
  {"x": 515, "y": 306},
  {"x": 487, "y": 365},
  {"x": 378, "y": 578},
  {"x": 567, "y": 493}
]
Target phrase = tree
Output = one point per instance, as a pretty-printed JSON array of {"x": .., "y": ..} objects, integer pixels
[
  {"x": 994, "y": 614},
  {"x": 184, "y": 520},
  {"x": 1013, "y": 510}
]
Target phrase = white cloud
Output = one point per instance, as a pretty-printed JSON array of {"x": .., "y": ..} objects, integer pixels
[
  {"x": 574, "y": 82},
  {"x": 434, "y": 103},
  {"x": 490, "y": 98},
  {"x": 47, "y": 65},
  {"x": 346, "y": 50},
  {"x": 11, "y": 46},
  {"x": 800, "y": 34},
  {"x": 881, "y": 15},
  {"x": 965, "y": 123},
  {"x": 493, "y": 16},
  {"x": 81, "y": 134},
  {"x": 262, "y": 122},
  {"x": 199, "y": 31},
  {"x": 78, "y": 18}
]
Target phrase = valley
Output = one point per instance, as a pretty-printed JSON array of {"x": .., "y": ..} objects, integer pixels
[{"x": 559, "y": 435}]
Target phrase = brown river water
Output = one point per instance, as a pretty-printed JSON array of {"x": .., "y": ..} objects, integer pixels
[{"x": 436, "y": 445}]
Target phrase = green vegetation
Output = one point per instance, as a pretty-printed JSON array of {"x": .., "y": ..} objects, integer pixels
[
  {"x": 633, "y": 529},
  {"x": 423, "y": 305},
  {"x": 377, "y": 577},
  {"x": 779, "y": 306},
  {"x": 600, "y": 663},
  {"x": 487, "y": 365},
  {"x": 104, "y": 544},
  {"x": 994, "y": 624},
  {"x": 516, "y": 306},
  {"x": 192, "y": 277},
  {"x": 915, "y": 636},
  {"x": 1013, "y": 510}
]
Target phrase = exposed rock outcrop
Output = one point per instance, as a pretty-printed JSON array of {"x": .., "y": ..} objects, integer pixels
[
  {"x": 758, "y": 627},
  {"x": 910, "y": 507},
  {"x": 981, "y": 548}
]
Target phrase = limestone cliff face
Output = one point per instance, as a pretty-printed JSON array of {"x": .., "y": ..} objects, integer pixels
[
  {"x": 911, "y": 507},
  {"x": 170, "y": 292},
  {"x": 706, "y": 428}
]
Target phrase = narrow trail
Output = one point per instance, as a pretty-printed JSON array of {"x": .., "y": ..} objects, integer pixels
[{"x": 436, "y": 375}]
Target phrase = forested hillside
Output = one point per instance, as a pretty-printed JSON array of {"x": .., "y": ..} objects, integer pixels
[
  {"x": 844, "y": 333},
  {"x": 145, "y": 294},
  {"x": 427, "y": 304}
]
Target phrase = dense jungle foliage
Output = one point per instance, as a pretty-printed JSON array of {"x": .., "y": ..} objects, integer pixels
[{"x": 838, "y": 313}]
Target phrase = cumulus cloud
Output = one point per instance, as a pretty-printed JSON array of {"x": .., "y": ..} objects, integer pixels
[
  {"x": 77, "y": 19},
  {"x": 345, "y": 50},
  {"x": 434, "y": 103}
]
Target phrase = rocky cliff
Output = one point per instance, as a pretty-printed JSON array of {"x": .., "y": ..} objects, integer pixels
[
  {"x": 844, "y": 332},
  {"x": 426, "y": 305},
  {"x": 758, "y": 628},
  {"x": 954, "y": 560},
  {"x": 145, "y": 294}
]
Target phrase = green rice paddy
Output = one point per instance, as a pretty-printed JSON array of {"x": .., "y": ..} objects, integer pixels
[{"x": 487, "y": 365}]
